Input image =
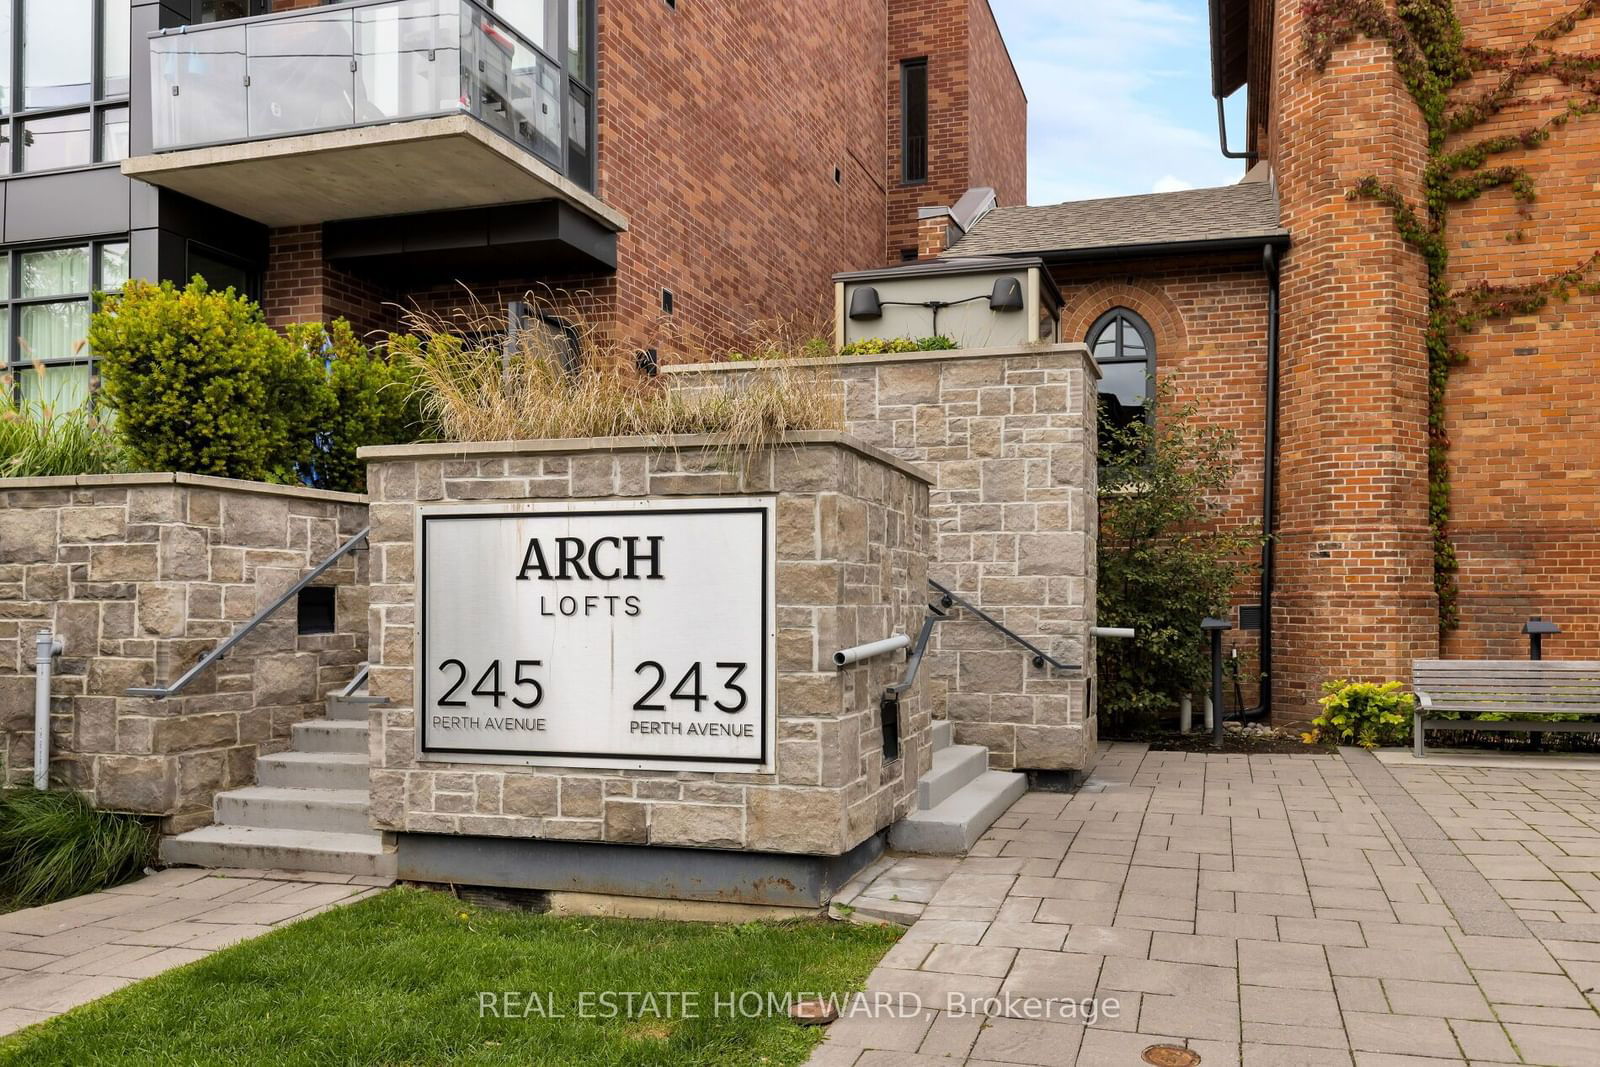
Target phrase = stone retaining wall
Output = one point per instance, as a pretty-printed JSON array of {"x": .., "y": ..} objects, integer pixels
[
  {"x": 851, "y": 541},
  {"x": 1009, "y": 437},
  {"x": 142, "y": 575}
]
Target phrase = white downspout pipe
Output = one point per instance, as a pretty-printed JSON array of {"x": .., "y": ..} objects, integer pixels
[{"x": 46, "y": 646}]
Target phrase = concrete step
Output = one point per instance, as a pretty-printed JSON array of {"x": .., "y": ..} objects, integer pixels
[
  {"x": 276, "y": 808},
  {"x": 953, "y": 827},
  {"x": 313, "y": 770},
  {"x": 953, "y": 767},
  {"x": 941, "y": 734},
  {"x": 354, "y": 707},
  {"x": 330, "y": 735},
  {"x": 294, "y": 850}
]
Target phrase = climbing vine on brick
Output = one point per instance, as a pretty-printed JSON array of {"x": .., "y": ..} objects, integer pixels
[{"x": 1436, "y": 63}]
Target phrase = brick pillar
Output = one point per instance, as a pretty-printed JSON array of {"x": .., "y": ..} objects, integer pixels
[
  {"x": 302, "y": 286},
  {"x": 933, "y": 235},
  {"x": 1355, "y": 561},
  {"x": 292, "y": 290}
]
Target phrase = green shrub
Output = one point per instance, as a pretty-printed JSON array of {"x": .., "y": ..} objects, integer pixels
[
  {"x": 368, "y": 401},
  {"x": 55, "y": 845},
  {"x": 1362, "y": 713},
  {"x": 37, "y": 442},
  {"x": 200, "y": 383},
  {"x": 880, "y": 346},
  {"x": 1165, "y": 560}
]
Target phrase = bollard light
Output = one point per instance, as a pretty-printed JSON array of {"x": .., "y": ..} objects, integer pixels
[
  {"x": 1536, "y": 628},
  {"x": 1216, "y": 628}
]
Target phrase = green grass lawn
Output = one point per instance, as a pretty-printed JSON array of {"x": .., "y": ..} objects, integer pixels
[{"x": 396, "y": 980}]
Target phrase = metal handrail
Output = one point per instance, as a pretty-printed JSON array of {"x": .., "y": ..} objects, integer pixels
[
  {"x": 1040, "y": 656},
  {"x": 163, "y": 692},
  {"x": 357, "y": 682}
]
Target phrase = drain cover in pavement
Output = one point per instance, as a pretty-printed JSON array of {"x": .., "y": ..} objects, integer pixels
[{"x": 1171, "y": 1056}]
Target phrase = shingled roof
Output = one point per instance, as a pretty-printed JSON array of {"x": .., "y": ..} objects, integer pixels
[{"x": 1229, "y": 213}]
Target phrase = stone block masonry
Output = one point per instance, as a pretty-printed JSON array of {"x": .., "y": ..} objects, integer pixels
[
  {"x": 1009, "y": 438},
  {"x": 142, "y": 575},
  {"x": 851, "y": 539}
]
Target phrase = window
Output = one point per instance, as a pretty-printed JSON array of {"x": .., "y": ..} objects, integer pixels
[
  {"x": 63, "y": 83},
  {"x": 1125, "y": 349},
  {"x": 560, "y": 31},
  {"x": 914, "y": 120},
  {"x": 224, "y": 10},
  {"x": 222, "y": 271},
  {"x": 45, "y": 300}
]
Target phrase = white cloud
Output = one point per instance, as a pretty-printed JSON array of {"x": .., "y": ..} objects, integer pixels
[
  {"x": 1118, "y": 96},
  {"x": 1169, "y": 183}
]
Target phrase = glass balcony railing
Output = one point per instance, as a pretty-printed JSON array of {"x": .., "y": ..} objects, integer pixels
[{"x": 362, "y": 64}]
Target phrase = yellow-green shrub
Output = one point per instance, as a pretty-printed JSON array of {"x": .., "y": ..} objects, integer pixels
[
  {"x": 880, "y": 346},
  {"x": 370, "y": 401},
  {"x": 200, "y": 383},
  {"x": 1363, "y": 713}
]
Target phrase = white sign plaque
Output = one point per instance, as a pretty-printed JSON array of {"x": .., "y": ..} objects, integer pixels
[{"x": 624, "y": 633}]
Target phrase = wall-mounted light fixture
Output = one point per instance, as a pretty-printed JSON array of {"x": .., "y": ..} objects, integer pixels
[
  {"x": 865, "y": 304},
  {"x": 1006, "y": 296}
]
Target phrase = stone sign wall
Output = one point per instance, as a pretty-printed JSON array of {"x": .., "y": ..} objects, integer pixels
[
  {"x": 1009, "y": 437},
  {"x": 851, "y": 546},
  {"x": 142, "y": 575}
]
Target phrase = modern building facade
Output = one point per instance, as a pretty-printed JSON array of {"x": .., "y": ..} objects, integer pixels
[
  {"x": 682, "y": 166},
  {"x": 1291, "y": 309}
]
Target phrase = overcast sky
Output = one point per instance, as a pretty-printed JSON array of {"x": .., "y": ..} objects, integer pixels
[{"x": 1119, "y": 97}]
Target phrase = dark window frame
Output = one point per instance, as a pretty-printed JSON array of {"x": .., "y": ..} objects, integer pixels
[
  {"x": 1120, "y": 316},
  {"x": 18, "y": 363},
  {"x": 251, "y": 271},
  {"x": 99, "y": 104},
  {"x": 914, "y": 154}
]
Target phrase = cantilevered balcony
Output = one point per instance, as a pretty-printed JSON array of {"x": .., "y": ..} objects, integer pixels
[{"x": 373, "y": 108}]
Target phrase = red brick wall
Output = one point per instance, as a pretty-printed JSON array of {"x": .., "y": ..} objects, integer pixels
[
  {"x": 937, "y": 30},
  {"x": 301, "y": 286},
  {"x": 1209, "y": 321},
  {"x": 997, "y": 111},
  {"x": 1523, "y": 412},
  {"x": 1355, "y": 563},
  {"x": 720, "y": 128}
]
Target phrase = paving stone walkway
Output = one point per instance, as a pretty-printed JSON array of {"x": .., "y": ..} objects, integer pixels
[
  {"x": 56, "y": 957},
  {"x": 1274, "y": 911}
]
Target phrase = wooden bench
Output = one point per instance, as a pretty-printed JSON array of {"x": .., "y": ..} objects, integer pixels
[{"x": 1526, "y": 687}]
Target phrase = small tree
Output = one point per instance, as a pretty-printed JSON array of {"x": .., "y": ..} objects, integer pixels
[
  {"x": 200, "y": 383},
  {"x": 372, "y": 401},
  {"x": 1165, "y": 559}
]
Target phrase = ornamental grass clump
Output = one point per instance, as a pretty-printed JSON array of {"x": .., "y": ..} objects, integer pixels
[
  {"x": 1362, "y": 713},
  {"x": 55, "y": 845},
  {"x": 49, "y": 439},
  {"x": 573, "y": 381}
]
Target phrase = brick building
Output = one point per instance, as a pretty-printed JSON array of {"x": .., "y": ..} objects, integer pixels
[
  {"x": 683, "y": 166},
  {"x": 1352, "y": 591}
]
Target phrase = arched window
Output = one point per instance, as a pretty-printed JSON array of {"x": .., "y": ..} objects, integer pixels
[{"x": 1125, "y": 349}]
